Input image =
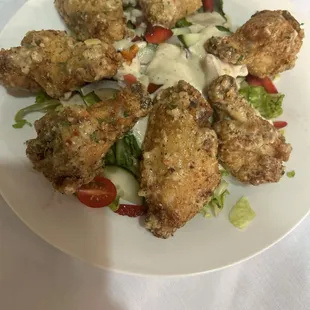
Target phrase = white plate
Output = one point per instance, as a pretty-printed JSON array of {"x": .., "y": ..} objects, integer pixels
[{"x": 120, "y": 243}]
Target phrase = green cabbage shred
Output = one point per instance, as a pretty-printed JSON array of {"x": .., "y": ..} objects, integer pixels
[{"x": 215, "y": 206}]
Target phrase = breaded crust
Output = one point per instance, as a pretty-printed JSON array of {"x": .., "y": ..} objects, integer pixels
[
  {"x": 268, "y": 43},
  {"x": 100, "y": 19},
  {"x": 179, "y": 170},
  {"x": 166, "y": 12}
]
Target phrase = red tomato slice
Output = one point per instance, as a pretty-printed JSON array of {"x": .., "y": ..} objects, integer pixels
[
  {"x": 153, "y": 87},
  {"x": 130, "y": 210},
  {"x": 265, "y": 82},
  {"x": 157, "y": 34},
  {"x": 280, "y": 124},
  {"x": 208, "y": 5},
  {"x": 130, "y": 79},
  {"x": 97, "y": 194}
]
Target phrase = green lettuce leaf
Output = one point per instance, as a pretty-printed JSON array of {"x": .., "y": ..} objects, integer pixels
[
  {"x": 268, "y": 105},
  {"x": 125, "y": 153}
]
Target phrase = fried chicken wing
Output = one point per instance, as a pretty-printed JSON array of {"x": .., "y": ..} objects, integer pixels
[
  {"x": 179, "y": 170},
  {"x": 251, "y": 148},
  {"x": 167, "y": 12},
  {"x": 56, "y": 62},
  {"x": 268, "y": 44},
  {"x": 101, "y": 19},
  {"x": 71, "y": 142}
]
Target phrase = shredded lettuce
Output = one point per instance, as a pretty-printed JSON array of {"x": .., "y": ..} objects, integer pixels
[
  {"x": 216, "y": 204},
  {"x": 224, "y": 173},
  {"x": 183, "y": 23},
  {"x": 44, "y": 104},
  {"x": 90, "y": 99},
  {"x": 268, "y": 105},
  {"x": 241, "y": 215}
]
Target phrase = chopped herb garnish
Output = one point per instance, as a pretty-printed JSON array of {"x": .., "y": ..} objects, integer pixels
[
  {"x": 240, "y": 58},
  {"x": 291, "y": 174},
  {"x": 172, "y": 106},
  {"x": 65, "y": 123},
  {"x": 126, "y": 114},
  {"x": 100, "y": 121},
  {"x": 94, "y": 136}
]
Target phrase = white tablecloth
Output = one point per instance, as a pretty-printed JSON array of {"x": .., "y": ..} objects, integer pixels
[{"x": 36, "y": 276}]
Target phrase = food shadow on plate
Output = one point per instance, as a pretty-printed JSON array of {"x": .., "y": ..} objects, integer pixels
[{"x": 17, "y": 93}]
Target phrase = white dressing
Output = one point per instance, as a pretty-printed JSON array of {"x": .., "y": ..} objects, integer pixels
[
  {"x": 171, "y": 65},
  {"x": 206, "y": 34},
  {"x": 214, "y": 67},
  {"x": 207, "y": 19}
]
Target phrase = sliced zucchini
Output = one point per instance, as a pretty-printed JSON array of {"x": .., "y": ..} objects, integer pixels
[
  {"x": 189, "y": 39},
  {"x": 125, "y": 182}
]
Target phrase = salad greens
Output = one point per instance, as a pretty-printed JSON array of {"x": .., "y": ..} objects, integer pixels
[
  {"x": 268, "y": 105},
  {"x": 90, "y": 99},
  {"x": 43, "y": 103},
  {"x": 241, "y": 215},
  {"x": 183, "y": 23},
  {"x": 216, "y": 204},
  {"x": 291, "y": 174},
  {"x": 224, "y": 29},
  {"x": 125, "y": 153}
]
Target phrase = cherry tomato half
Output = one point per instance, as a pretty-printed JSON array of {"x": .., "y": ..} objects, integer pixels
[{"x": 97, "y": 194}]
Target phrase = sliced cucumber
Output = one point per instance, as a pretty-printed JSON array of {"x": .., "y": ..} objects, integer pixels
[
  {"x": 125, "y": 182},
  {"x": 196, "y": 28},
  {"x": 146, "y": 54},
  {"x": 189, "y": 39},
  {"x": 180, "y": 31}
]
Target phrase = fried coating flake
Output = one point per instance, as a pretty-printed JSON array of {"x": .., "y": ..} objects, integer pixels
[
  {"x": 268, "y": 44},
  {"x": 56, "y": 62},
  {"x": 100, "y": 19},
  {"x": 166, "y": 12},
  {"x": 179, "y": 170},
  {"x": 72, "y": 141},
  {"x": 251, "y": 148}
]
